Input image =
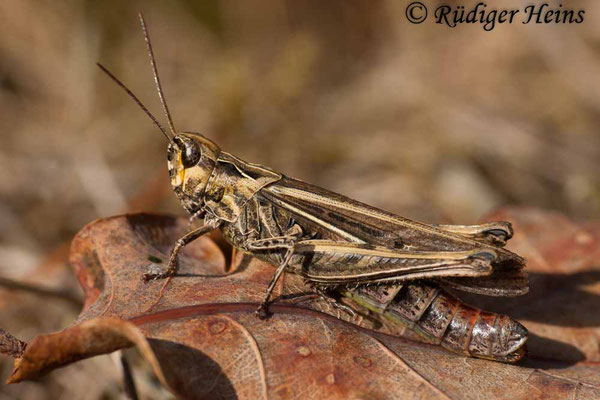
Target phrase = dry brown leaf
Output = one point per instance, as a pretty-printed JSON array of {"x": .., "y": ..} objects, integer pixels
[{"x": 203, "y": 340}]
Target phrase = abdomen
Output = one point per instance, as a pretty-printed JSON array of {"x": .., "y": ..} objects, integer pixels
[{"x": 440, "y": 318}]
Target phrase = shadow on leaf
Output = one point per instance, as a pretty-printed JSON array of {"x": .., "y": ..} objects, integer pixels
[
  {"x": 546, "y": 353},
  {"x": 205, "y": 379},
  {"x": 555, "y": 299}
]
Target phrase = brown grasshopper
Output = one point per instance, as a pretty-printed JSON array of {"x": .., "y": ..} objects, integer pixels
[{"x": 336, "y": 243}]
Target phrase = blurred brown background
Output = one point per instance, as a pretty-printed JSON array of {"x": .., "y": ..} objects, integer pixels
[{"x": 436, "y": 124}]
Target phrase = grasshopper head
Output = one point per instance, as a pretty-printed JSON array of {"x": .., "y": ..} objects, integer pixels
[
  {"x": 192, "y": 157},
  {"x": 191, "y": 160}
]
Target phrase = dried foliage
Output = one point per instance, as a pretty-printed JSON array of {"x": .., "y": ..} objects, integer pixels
[{"x": 203, "y": 341}]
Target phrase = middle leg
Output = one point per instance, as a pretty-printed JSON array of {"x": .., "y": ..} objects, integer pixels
[{"x": 285, "y": 243}]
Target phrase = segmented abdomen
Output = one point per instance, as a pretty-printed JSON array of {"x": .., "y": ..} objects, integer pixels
[{"x": 442, "y": 319}]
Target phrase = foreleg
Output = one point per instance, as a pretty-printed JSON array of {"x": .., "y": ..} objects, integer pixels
[{"x": 179, "y": 245}]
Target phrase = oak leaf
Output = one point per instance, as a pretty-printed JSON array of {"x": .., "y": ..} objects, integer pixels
[{"x": 202, "y": 340}]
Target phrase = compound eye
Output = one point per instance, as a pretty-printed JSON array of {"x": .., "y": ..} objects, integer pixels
[{"x": 190, "y": 155}]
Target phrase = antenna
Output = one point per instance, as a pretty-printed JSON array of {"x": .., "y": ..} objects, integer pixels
[
  {"x": 155, "y": 72},
  {"x": 134, "y": 97}
]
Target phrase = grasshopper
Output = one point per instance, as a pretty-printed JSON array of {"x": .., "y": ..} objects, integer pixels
[{"x": 336, "y": 243}]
